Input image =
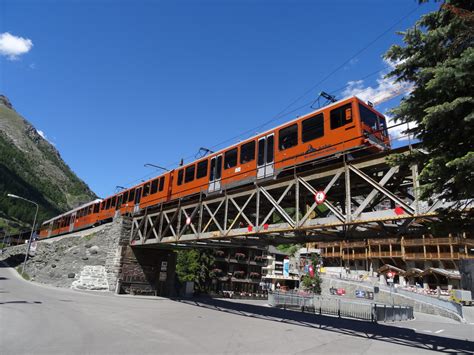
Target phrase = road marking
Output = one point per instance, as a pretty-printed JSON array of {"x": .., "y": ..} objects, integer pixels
[
  {"x": 427, "y": 331},
  {"x": 439, "y": 331}
]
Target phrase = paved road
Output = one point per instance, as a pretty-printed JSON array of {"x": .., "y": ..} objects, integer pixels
[{"x": 36, "y": 319}]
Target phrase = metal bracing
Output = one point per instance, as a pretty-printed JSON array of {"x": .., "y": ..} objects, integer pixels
[{"x": 364, "y": 198}]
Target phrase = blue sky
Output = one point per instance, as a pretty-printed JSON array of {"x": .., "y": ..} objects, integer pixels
[{"x": 116, "y": 84}]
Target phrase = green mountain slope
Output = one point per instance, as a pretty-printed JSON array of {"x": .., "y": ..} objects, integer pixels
[{"x": 32, "y": 168}]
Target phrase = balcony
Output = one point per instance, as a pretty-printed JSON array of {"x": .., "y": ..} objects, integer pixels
[
  {"x": 336, "y": 254},
  {"x": 385, "y": 241},
  {"x": 386, "y": 254},
  {"x": 431, "y": 241},
  {"x": 354, "y": 256},
  {"x": 357, "y": 244}
]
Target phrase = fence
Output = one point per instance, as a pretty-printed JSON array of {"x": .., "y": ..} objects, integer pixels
[
  {"x": 340, "y": 307},
  {"x": 450, "y": 306}
]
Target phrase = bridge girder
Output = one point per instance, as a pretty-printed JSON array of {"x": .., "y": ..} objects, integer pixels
[{"x": 366, "y": 198}]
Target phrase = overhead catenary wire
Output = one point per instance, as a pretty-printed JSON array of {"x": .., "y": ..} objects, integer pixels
[{"x": 284, "y": 112}]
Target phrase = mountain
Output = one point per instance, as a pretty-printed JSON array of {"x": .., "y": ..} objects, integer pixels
[{"x": 32, "y": 167}]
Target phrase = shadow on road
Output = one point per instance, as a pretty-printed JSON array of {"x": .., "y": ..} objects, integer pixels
[
  {"x": 13, "y": 261},
  {"x": 22, "y": 302},
  {"x": 352, "y": 327}
]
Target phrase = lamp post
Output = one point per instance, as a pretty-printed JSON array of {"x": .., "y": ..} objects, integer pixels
[
  {"x": 156, "y": 166},
  {"x": 32, "y": 228}
]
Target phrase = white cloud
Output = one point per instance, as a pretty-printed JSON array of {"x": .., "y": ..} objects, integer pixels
[
  {"x": 12, "y": 46},
  {"x": 397, "y": 132},
  {"x": 385, "y": 90}
]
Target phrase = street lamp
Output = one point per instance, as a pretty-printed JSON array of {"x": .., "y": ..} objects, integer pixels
[
  {"x": 32, "y": 228},
  {"x": 156, "y": 166}
]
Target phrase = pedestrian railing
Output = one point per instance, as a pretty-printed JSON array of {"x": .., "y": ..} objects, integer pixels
[{"x": 340, "y": 307}]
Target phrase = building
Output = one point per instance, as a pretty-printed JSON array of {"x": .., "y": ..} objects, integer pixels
[
  {"x": 276, "y": 272},
  {"x": 429, "y": 261},
  {"x": 238, "y": 269}
]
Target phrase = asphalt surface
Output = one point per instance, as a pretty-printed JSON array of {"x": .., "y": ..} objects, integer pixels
[{"x": 36, "y": 319}]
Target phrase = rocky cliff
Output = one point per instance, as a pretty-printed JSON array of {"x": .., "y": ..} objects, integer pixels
[{"x": 32, "y": 167}]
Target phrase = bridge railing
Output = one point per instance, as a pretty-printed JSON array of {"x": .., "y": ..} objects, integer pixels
[{"x": 340, "y": 307}]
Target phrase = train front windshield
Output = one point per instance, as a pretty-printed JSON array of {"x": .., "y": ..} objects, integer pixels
[{"x": 372, "y": 120}]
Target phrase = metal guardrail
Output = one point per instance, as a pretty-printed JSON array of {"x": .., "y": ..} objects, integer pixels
[
  {"x": 340, "y": 307},
  {"x": 448, "y": 305}
]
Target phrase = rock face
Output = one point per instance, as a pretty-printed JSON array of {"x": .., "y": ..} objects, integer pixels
[
  {"x": 31, "y": 167},
  {"x": 90, "y": 261}
]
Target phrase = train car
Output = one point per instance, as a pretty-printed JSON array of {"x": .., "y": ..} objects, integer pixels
[
  {"x": 79, "y": 218},
  {"x": 347, "y": 126}
]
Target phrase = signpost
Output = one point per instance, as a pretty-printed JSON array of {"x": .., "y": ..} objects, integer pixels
[{"x": 320, "y": 197}]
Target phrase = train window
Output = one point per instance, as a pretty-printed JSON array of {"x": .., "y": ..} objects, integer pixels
[
  {"x": 368, "y": 117},
  {"x": 201, "y": 169},
  {"x": 102, "y": 205},
  {"x": 154, "y": 186},
  {"x": 189, "y": 174},
  {"x": 213, "y": 168},
  {"x": 270, "y": 140},
  {"x": 162, "y": 183},
  {"x": 247, "y": 152},
  {"x": 288, "y": 137},
  {"x": 146, "y": 189},
  {"x": 312, "y": 128},
  {"x": 108, "y": 204},
  {"x": 383, "y": 126},
  {"x": 341, "y": 116},
  {"x": 219, "y": 167},
  {"x": 125, "y": 196},
  {"x": 230, "y": 158},
  {"x": 138, "y": 195},
  {"x": 114, "y": 200},
  {"x": 96, "y": 208},
  {"x": 131, "y": 196},
  {"x": 180, "y": 177},
  {"x": 119, "y": 202},
  {"x": 261, "y": 152}
]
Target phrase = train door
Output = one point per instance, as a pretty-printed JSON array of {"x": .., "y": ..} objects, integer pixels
[
  {"x": 138, "y": 196},
  {"x": 73, "y": 220},
  {"x": 265, "y": 163},
  {"x": 215, "y": 174}
]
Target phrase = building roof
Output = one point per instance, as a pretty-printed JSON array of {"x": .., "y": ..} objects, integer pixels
[
  {"x": 450, "y": 274},
  {"x": 388, "y": 267}
]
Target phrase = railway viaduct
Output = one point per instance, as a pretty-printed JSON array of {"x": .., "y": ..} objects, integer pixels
[{"x": 364, "y": 198}]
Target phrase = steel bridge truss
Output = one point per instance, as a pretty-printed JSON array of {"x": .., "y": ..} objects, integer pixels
[{"x": 364, "y": 198}]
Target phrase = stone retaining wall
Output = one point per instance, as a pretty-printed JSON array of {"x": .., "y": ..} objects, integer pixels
[{"x": 90, "y": 260}]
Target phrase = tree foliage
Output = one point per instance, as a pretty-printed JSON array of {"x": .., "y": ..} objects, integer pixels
[
  {"x": 195, "y": 265},
  {"x": 438, "y": 58},
  {"x": 313, "y": 283}
]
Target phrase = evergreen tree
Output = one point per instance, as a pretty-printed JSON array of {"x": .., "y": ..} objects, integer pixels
[
  {"x": 195, "y": 265},
  {"x": 438, "y": 58}
]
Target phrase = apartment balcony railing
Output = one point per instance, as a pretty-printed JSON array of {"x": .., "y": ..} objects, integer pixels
[
  {"x": 386, "y": 254},
  {"x": 385, "y": 241},
  {"x": 358, "y": 244},
  {"x": 431, "y": 241}
]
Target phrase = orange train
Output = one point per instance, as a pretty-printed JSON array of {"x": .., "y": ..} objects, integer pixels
[{"x": 348, "y": 125}]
